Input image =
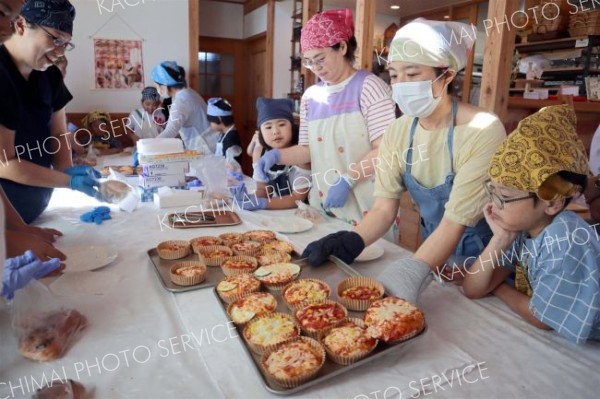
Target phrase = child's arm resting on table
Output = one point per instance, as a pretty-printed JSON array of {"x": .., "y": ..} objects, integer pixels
[{"x": 519, "y": 303}]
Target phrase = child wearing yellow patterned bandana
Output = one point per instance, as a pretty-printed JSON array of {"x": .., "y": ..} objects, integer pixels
[
  {"x": 554, "y": 253},
  {"x": 103, "y": 139}
]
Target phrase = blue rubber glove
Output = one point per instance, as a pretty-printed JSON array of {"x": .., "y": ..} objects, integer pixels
[
  {"x": 136, "y": 159},
  {"x": 245, "y": 201},
  {"x": 22, "y": 269},
  {"x": 96, "y": 215},
  {"x": 337, "y": 195},
  {"x": 265, "y": 163},
  {"x": 83, "y": 170},
  {"x": 85, "y": 184}
]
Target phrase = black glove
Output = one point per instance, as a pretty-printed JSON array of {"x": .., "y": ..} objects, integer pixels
[{"x": 346, "y": 245}]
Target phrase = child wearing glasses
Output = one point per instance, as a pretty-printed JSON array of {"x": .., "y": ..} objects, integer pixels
[{"x": 554, "y": 253}]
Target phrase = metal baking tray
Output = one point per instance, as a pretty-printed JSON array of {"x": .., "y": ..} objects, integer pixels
[
  {"x": 214, "y": 274},
  {"x": 188, "y": 220},
  {"x": 332, "y": 273}
]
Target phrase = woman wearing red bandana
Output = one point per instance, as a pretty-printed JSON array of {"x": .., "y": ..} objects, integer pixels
[{"x": 342, "y": 120}]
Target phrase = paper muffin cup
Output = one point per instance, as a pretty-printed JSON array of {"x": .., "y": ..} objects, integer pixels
[
  {"x": 294, "y": 307},
  {"x": 229, "y": 239},
  {"x": 218, "y": 261},
  {"x": 278, "y": 245},
  {"x": 188, "y": 280},
  {"x": 346, "y": 360},
  {"x": 281, "y": 257},
  {"x": 230, "y": 306},
  {"x": 318, "y": 334},
  {"x": 249, "y": 236},
  {"x": 359, "y": 305},
  {"x": 295, "y": 381},
  {"x": 170, "y": 254},
  {"x": 196, "y": 247},
  {"x": 259, "y": 349},
  {"x": 249, "y": 252},
  {"x": 276, "y": 287},
  {"x": 233, "y": 295},
  {"x": 230, "y": 271}
]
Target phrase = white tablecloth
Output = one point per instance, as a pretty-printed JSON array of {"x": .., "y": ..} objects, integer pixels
[{"x": 185, "y": 348}]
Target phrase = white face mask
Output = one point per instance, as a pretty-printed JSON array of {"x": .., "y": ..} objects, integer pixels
[{"x": 416, "y": 98}]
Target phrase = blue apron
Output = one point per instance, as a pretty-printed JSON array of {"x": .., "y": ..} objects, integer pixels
[{"x": 432, "y": 202}]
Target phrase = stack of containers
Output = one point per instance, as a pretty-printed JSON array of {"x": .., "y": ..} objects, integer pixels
[{"x": 164, "y": 164}]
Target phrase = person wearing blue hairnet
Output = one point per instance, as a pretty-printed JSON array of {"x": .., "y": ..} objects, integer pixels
[{"x": 187, "y": 114}]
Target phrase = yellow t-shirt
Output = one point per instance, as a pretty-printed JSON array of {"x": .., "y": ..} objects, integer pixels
[{"x": 474, "y": 145}]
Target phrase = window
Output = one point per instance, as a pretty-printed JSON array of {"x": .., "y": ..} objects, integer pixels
[{"x": 216, "y": 74}]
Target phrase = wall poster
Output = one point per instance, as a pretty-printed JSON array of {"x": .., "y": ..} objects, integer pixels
[{"x": 118, "y": 64}]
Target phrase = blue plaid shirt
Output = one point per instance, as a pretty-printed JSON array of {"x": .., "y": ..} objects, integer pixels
[{"x": 563, "y": 269}]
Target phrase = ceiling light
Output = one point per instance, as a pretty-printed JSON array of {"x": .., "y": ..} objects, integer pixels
[
  {"x": 446, "y": 16},
  {"x": 395, "y": 7}
]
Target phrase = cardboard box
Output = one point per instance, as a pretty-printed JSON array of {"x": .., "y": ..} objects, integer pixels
[
  {"x": 162, "y": 181},
  {"x": 166, "y": 168},
  {"x": 179, "y": 198},
  {"x": 187, "y": 156}
]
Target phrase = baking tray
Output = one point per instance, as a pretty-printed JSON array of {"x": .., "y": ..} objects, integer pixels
[
  {"x": 332, "y": 273},
  {"x": 214, "y": 274},
  {"x": 189, "y": 220}
]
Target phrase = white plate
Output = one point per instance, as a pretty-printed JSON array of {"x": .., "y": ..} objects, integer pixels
[
  {"x": 371, "y": 252},
  {"x": 289, "y": 224},
  {"x": 88, "y": 257}
]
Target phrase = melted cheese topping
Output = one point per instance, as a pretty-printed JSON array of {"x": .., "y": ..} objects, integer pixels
[
  {"x": 238, "y": 264},
  {"x": 361, "y": 292},
  {"x": 320, "y": 316},
  {"x": 244, "y": 309},
  {"x": 280, "y": 273},
  {"x": 271, "y": 330},
  {"x": 393, "y": 318},
  {"x": 306, "y": 290},
  {"x": 280, "y": 246},
  {"x": 238, "y": 283},
  {"x": 271, "y": 257},
  {"x": 260, "y": 235},
  {"x": 206, "y": 241},
  {"x": 348, "y": 340},
  {"x": 293, "y": 360},
  {"x": 189, "y": 271},
  {"x": 246, "y": 246}
]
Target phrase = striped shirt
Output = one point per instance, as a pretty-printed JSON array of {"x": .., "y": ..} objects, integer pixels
[{"x": 376, "y": 104}]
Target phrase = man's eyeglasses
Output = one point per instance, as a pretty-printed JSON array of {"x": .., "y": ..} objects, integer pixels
[
  {"x": 57, "y": 41},
  {"x": 499, "y": 201}
]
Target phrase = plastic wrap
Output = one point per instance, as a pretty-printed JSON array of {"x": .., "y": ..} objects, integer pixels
[
  {"x": 234, "y": 171},
  {"x": 212, "y": 171},
  {"x": 306, "y": 211},
  {"x": 45, "y": 327}
]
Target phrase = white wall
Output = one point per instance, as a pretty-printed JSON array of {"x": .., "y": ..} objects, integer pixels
[
  {"x": 282, "y": 47},
  {"x": 255, "y": 22},
  {"x": 225, "y": 20},
  {"x": 163, "y": 24}
]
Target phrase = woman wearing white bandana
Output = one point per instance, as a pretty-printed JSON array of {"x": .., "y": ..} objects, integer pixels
[{"x": 438, "y": 150}]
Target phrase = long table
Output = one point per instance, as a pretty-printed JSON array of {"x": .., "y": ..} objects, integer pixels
[{"x": 145, "y": 342}]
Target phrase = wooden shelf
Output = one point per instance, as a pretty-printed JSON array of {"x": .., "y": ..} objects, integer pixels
[
  {"x": 568, "y": 69},
  {"x": 557, "y": 44},
  {"x": 581, "y": 106}
]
